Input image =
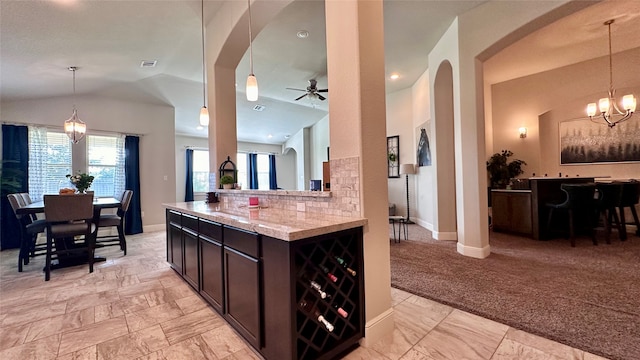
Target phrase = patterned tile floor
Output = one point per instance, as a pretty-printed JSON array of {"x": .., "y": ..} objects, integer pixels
[{"x": 136, "y": 307}]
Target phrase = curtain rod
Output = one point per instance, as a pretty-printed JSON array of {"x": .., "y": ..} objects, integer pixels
[
  {"x": 195, "y": 147},
  {"x": 55, "y": 127}
]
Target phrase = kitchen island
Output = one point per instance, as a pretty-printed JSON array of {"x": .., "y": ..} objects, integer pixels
[{"x": 291, "y": 283}]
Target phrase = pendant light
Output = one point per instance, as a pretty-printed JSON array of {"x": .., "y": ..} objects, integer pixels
[
  {"x": 252, "y": 82},
  {"x": 74, "y": 127},
  {"x": 204, "y": 113}
]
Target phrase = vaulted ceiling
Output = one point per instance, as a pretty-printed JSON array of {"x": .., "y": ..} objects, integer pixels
[{"x": 107, "y": 40}]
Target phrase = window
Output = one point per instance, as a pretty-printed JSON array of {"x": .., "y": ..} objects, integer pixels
[
  {"x": 105, "y": 155},
  {"x": 57, "y": 162},
  {"x": 200, "y": 171},
  {"x": 241, "y": 166},
  {"x": 49, "y": 161},
  {"x": 263, "y": 171}
]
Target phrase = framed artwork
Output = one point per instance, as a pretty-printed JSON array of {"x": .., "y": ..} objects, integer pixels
[
  {"x": 583, "y": 142},
  {"x": 423, "y": 153},
  {"x": 393, "y": 156}
]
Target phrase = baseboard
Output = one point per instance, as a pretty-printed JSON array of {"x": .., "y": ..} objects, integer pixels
[
  {"x": 152, "y": 228},
  {"x": 474, "y": 252},
  {"x": 424, "y": 224},
  {"x": 444, "y": 235},
  {"x": 378, "y": 327}
]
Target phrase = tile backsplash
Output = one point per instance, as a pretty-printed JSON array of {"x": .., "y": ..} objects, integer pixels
[{"x": 343, "y": 201}]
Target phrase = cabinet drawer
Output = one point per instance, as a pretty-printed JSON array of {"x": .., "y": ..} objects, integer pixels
[
  {"x": 243, "y": 241},
  {"x": 190, "y": 221},
  {"x": 211, "y": 230},
  {"x": 174, "y": 217}
]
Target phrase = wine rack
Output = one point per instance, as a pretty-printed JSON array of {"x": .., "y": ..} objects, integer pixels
[{"x": 311, "y": 260}]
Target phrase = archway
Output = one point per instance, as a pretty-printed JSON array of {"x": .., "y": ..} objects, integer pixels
[{"x": 445, "y": 219}]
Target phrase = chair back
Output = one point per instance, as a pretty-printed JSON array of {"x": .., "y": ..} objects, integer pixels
[
  {"x": 610, "y": 195},
  {"x": 630, "y": 193},
  {"x": 579, "y": 196},
  {"x": 61, "y": 208},
  {"x": 16, "y": 202},
  {"x": 125, "y": 201}
]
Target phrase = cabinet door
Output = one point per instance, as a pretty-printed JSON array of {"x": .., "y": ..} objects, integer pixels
[
  {"x": 242, "y": 294},
  {"x": 501, "y": 217},
  {"x": 175, "y": 251},
  {"x": 211, "y": 285},
  {"x": 190, "y": 239}
]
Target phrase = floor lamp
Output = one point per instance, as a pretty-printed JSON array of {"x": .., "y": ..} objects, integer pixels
[{"x": 406, "y": 169}]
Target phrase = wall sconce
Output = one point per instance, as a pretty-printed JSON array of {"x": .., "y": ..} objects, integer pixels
[{"x": 523, "y": 132}]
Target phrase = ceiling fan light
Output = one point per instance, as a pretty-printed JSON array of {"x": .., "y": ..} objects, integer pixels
[
  {"x": 204, "y": 116},
  {"x": 252, "y": 88},
  {"x": 604, "y": 105},
  {"x": 629, "y": 103},
  {"x": 591, "y": 109}
]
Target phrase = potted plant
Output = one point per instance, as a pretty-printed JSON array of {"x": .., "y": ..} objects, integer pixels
[
  {"x": 227, "y": 181},
  {"x": 82, "y": 181},
  {"x": 501, "y": 171}
]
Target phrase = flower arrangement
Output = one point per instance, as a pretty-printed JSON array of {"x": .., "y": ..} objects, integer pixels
[{"x": 82, "y": 181}]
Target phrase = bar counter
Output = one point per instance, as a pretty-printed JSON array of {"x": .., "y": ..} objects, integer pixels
[{"x": 277, "y": 223}]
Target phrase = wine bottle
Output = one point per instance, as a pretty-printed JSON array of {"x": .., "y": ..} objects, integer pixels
[
  {"x": 307, "y": 306},
  {"x": 314, "y": 285},
  {"x": 328, "y": 273},
  {"x": 345, "y": 265},
  {"x": 341, "y": 311}
]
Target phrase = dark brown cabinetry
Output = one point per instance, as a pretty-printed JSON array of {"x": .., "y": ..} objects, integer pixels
[
  {"x": 511, "y": 211},
  {"x": 211, "y": 269},
  {"x": 262, "y": 285},
  {"x": 174, "y": 241}
]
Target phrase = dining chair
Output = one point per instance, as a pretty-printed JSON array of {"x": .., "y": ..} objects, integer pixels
[
  {"x": 29, "y": 229},
  {"x": 68, "y": 216},
  {"x": 580, "y": 206},
  {"x": 117, "y": 220},
  {"x": 35, "y": 249}
]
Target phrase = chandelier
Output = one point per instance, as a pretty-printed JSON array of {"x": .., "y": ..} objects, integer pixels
[
  {"x": 608, "y": 106},
  {"x": 74, "y": 127}
]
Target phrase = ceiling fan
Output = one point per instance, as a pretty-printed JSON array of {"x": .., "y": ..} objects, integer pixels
[{"x": 312, "y": 91}]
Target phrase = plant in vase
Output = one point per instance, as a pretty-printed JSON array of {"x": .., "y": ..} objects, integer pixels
[
  {"x": 227, "y": 181},
  {"x": 82, "y": 181},
  {"x": 500, "y": 171}
]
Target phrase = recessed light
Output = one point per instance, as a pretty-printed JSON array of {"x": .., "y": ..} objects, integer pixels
[
  {"x": 394, "y": 76},
  {"x": 302, "y": 34},
  {"x": 269, "y": 136},
  {"x": 200, "y": 127}
]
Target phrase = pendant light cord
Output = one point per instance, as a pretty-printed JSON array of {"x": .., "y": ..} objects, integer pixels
[
  {"x": 73, "y": 69},
  {"x": 250, "y": 42},
  {"x": 610, "y": 62},
  {"x": 204, "y": 95}
]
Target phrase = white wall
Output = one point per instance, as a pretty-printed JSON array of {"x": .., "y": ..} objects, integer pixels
[
  {"x": 319, "y": 141},
  {"x": 424, "y": 175},
  {"x": 400, "y": 123},
  {"x": 565, "y": 92},
  {"x": 300, "y": 143},
  {"x": 154, "y": 123}
]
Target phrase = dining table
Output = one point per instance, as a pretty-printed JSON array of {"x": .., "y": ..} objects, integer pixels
[{"x": 99, "y": 203}]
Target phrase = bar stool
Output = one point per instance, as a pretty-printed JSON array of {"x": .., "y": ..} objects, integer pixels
[
  {"x": 608, "y": 197},
  {"x": 580, "y": 206},
  {"x": 629, "y": 199}
]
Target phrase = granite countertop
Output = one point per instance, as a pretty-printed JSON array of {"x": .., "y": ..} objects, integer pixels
[{"x": 281, "y": 224}]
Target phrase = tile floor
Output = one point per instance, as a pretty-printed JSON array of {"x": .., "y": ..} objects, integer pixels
[{"x": 136, "y": 307}]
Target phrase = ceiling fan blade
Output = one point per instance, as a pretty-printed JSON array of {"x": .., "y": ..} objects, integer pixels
[
  {"x": 301, "y": 97},
  {"x": 296, "y": 89},
  {"x": 323, "y": 90},
  {"x": 321, "y": 97}
]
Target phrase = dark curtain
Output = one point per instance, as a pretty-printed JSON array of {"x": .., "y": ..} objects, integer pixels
[
  {"x": 253, "y": 170},
  {"x": 188, "y": 189},
  {"x": 15, "y": 178},
  {"x": 133, "y": 217},
  {"x": 273, "y": 180}
]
